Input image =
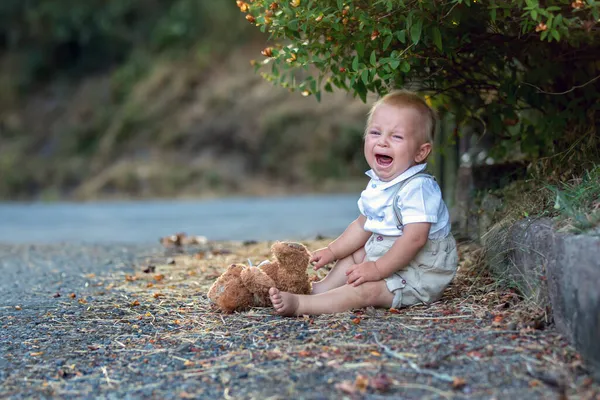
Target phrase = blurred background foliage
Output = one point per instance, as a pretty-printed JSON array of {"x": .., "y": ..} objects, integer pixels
[
  {"x": 156, "y": 98},
  {"x": 50, "y": 39}
]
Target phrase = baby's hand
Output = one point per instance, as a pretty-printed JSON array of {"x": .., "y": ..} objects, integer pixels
[
  {"x": 322, "y": 257},
  {"x": 365, "y": 272}
]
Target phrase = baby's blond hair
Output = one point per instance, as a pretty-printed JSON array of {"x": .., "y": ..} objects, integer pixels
[{"x": 406, "y": 98}]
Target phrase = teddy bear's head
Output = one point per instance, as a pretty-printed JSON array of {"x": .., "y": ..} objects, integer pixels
[{"x": 291, "y": 255}]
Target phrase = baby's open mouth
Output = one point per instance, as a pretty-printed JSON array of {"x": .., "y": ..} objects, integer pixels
[{"x": 383, "y": 160}]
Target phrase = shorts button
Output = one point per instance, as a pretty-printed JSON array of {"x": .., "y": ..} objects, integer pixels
[
  {"x": 403, "y": 282},
  {"x": 373, "y": 186},
  {"x": 379, "y": 238}
]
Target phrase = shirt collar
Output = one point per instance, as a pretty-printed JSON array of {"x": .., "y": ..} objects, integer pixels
[{"x": 382, "y": 185}]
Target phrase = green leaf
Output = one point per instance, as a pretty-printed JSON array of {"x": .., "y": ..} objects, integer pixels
[
  {"x": 361, "y": 90},
  {"x": 340, "y": 4},
  {"x": 387, "y": 42},
  {"x": 318, "y": 96},
  {"x": 401, "y": 35},
  {"x": 437, "y": 37},
  {"x": 360, "y": 49},
  {"x": 534, "y": 15},
  {"x": 415, "y": 31},
  {"x": 555, "y": 34},
  {"x": 532, "y": 3},
  {"x": 558, "y": 20},
  {"x": 313, "y": 85},
  {"x": 328, "y": 87},
  {"x": 394, "y": 64},
  {"x": 404, "y": 66},
  {"x": 373, "y": 59},
  {"x": 365, "y": 76},
  {"x": 355, "y": 63}
]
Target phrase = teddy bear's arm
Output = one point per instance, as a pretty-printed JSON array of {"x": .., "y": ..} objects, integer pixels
[{"x": 256, "y": 281}]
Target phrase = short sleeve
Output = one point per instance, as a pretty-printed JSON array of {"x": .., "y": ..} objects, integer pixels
[{"x": 419, "y": 201}]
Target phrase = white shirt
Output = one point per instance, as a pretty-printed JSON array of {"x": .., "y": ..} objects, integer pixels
[{"x": 420, "y": 200}]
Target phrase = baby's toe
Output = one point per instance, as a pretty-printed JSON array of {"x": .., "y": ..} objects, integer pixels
[
  {"x": 273, "y": 291},
  {"x": 276, "y": 300}
]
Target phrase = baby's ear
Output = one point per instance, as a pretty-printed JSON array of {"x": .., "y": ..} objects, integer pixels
[{"x": 423, "y": 152}]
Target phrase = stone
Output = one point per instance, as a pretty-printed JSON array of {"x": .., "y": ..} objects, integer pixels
[{"x": 560, "y": 272}]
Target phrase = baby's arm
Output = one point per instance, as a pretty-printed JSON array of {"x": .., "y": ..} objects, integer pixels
[
  {"x": 404, "y": 249},
  {"x": 353, "y": 238}
]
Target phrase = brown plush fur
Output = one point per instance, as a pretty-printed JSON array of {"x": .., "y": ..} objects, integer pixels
[{"x": 241, "y": 287}]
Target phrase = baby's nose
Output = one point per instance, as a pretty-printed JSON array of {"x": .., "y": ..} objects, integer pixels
[{"x": 382, "y": 141}]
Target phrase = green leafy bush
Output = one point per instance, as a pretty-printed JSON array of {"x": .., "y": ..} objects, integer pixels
[{"x": 526, "y": 71}]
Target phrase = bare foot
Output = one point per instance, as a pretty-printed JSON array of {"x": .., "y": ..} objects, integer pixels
[{"x": 284, "y": 303}]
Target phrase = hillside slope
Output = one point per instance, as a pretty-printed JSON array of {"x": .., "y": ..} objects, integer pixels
[{"x": 187, "y": 126}]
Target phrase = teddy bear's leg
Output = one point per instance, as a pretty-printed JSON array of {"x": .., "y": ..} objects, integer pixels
[
  {"x": 258, "y": 283},
  {"x": 228, "y": 292}
]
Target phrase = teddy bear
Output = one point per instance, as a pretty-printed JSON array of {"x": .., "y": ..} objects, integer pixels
[{"x": 241, "y": 287}]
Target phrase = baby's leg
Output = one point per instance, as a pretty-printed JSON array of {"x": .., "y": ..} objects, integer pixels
[
  {"x": 336, "y": 300},
  {"x": 337, "y": 276}
]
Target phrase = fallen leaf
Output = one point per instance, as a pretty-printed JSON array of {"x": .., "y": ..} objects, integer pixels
[
  {"x": 380, "y": 383},
  {"x": 189, "y": 363},
  {"x": 475, "y": 354},
  {"x": 534, "y": 383},
  {"x": 159, "y": 277},
  {"x": 72, "y": 295},
  {"x": 376, "y": 353},
  {"x": 356, "y": 321},
  {"x": 346, "y": 387},
  {"x": 458, "y": 383},
  {"x": 92, "y": 347},
  {"x": 361, "y": 383},
  {"x": 157, "y": 295},
  {"x": 18, "y": 308},
  {"x": 36, "y": 354},
  {"x": 134, "y": 303},
  {"x": 304, "y": 353},
  {"x": 56, "y": 295},
  {"x": 82, "y": 301}
]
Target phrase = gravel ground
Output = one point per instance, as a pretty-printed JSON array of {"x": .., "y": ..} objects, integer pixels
[{"x": 86, "y": 321}]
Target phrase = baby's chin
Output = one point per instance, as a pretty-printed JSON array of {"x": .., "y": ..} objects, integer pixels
[{"x": 385, "y": 176}]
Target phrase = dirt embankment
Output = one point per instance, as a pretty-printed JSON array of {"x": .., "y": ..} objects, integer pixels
[{"x": 186, "y": 127}]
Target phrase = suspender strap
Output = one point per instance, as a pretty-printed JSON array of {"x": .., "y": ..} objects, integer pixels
[{"x": 399, "y": 188}]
